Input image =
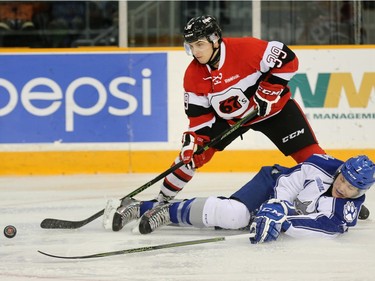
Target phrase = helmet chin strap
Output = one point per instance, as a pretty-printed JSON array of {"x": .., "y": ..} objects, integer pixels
[{"x": 215, "y": 57}]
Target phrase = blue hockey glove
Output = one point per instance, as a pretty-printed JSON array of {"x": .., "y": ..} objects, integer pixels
[{"x": 270, "y": 221}]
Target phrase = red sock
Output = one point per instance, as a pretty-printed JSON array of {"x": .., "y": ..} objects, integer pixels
[{"x": 304, "y": 153}]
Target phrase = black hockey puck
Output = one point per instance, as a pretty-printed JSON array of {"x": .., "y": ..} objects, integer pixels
[
  {"x": 363, "y": 213},
  {"x": 10, "y": 231}
]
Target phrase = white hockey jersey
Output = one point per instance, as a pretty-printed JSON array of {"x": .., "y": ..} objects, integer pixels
[{"x": 308, "y": 186}]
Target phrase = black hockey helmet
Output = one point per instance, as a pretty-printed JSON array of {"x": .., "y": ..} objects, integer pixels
[{"x": 202, "y": 27}]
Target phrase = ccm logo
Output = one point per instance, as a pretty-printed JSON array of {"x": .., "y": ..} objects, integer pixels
[
  {"x": 269, "y": 92},
  {"x": 293, "y": 135}
]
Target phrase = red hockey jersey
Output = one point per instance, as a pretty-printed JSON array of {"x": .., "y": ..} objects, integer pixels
[{"x": 227, "y": 92}]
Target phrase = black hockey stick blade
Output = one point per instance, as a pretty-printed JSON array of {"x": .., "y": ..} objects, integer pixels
[
  {"x": 64, "y": 224},
  {"x": 148, "y": 248},
  {"x": 50, "y": 223}
]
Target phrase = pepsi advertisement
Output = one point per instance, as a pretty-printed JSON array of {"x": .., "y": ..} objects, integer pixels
[{"x": 81, "y": 98}]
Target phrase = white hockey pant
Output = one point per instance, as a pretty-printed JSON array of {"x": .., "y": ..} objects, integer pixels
[{"x": 213, "y": 211}]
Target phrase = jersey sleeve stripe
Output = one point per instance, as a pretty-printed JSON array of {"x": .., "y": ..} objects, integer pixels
[
  {"x": 201, "y": 101},
  {"x": 196, "y": 125}
]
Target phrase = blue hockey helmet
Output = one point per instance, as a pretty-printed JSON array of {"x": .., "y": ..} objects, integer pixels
[{"x": 359, "y": 171}]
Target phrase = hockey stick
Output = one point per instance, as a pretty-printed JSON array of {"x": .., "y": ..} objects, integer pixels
[
  {"x": 150, "y": 248},
  {"x": 50, "y": 223}
]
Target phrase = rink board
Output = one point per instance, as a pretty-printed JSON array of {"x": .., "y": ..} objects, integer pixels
[
  {"x": 104, "y": 162},
  {"x": 111, "y": 110}
]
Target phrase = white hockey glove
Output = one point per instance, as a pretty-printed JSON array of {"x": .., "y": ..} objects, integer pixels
[
  {"x": 266, "y": 95},
  {"x": 270, "y": 220}
]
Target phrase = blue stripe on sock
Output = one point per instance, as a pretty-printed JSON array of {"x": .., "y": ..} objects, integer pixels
[
  {"x": 146, "y": 205},
  {"x": 179, "y": 212}
]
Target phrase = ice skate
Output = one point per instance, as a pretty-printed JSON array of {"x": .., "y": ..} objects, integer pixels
[
  {"x": 116, "y": 217},
  {"x": 154, "y": 218}
]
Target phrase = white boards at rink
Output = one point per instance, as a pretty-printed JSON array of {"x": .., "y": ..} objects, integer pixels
[{"x": 116, "y": 110}]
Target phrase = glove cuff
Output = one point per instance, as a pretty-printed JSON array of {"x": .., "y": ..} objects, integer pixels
[
  {"x": 288, "y": 207},
  {"x": 285, "y": 225}
]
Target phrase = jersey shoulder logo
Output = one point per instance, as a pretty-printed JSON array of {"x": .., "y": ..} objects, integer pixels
[{"x": 350, "y": 211}]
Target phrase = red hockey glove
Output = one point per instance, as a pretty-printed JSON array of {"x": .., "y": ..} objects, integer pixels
[
  {"x": 266, "y": 95},
  {"x": 200, "y": 159},
  {"x": 190, "y": 143}
]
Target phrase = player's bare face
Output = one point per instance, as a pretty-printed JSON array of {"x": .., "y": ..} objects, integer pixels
[
  {"x": 343, "y": 189},
  {"x": 201, "y": 50}
]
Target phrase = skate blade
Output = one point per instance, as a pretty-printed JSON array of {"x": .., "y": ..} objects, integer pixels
[{"x": 109, "y": 212}]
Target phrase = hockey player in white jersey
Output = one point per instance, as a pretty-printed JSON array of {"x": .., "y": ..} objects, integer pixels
[{"x": 320, "y": 197}]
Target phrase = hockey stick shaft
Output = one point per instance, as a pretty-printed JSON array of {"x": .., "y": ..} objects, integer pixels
[
  {"x": 150, "y": 248},
  {"x": 213, "y": 142},
  {"x": 50, "y": 223}
]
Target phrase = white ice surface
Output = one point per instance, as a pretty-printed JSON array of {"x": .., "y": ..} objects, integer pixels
[{"x": 26, "y": 201}]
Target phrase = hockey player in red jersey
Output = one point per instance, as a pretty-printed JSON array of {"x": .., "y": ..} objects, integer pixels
[{"x": 228, "y": 78}]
